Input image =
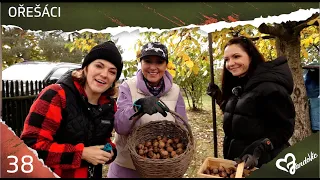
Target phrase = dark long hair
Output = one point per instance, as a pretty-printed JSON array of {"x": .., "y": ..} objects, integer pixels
[{"x": 228, "y": 80}]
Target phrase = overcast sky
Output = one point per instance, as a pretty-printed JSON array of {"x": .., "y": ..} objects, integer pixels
[{"x": 127, "y": 40}]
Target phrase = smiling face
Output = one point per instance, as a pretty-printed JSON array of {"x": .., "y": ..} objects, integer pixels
[
  {"x": 100, "y": 76},
  {"x": 153, "y": 68},
  {"x": 237, "y": 60}
]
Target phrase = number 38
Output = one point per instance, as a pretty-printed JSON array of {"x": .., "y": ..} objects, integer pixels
[{"x": 24, "y": 163}]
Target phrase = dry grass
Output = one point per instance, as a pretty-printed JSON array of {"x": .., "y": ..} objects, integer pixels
[{"x": 202, "y": 129}]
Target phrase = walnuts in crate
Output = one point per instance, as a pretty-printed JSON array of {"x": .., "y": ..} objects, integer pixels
[
  {"x": 247, "y": 172},
  {"x": 221, "y": 171},
  {"x": 161, "y": 147},
  {"x": 225, "y": 172}
]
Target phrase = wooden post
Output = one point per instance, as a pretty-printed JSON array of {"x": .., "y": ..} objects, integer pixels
[{"x": 214, "y": 119}]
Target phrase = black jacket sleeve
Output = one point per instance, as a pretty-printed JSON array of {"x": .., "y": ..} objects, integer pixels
[{"x": 279, "y": 114}]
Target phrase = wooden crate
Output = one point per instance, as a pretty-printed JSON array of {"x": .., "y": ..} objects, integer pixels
[{"x": 211, "y": 161}]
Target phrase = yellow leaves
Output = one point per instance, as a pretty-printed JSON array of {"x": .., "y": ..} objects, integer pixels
[
  {"x": 267, "y": 48},
  {"x": 172, "y": 72},
  {"x": 171, "y": 45},
  {"x": 195, "y": 69},
  {"x": 189, "y": 63},
  {"x": 174, "y": 36},
  {"x": 309, "y": 31},
  {"x": 304, "y": 53},
  {"x": 138, "y": 53},
  {"x": 196, "y": 42},
  {"x": 307, "y": 42},
  {"x": 71, "y": 49},
  {"x": 171, "y": 69},
  {"x": 170, "y": 65},
  {"x": 185, "y": 57},
  {"x": 243, "y": 32},
  {"x": 316, "y": 40},
  {"x": 310, "y": 41},
  {"x": 86, "y": 48}
]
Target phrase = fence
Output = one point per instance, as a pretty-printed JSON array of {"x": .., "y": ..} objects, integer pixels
[{"x": 17, "y": 98}]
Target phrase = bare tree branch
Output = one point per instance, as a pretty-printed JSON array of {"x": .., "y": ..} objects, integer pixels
[
  {"x": 303, "y": 24},
  {"x": 264, "y": 28},
  {"x": 263, "y": 37},
  {"x": 280, "y": 31},
  {"x": 316, "y": 47}
]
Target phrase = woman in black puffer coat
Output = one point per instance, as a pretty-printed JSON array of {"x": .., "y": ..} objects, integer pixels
[{"x": 255, "y": 98}]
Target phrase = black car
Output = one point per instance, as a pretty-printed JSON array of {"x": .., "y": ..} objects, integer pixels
[{"x": 47, "y": 72}]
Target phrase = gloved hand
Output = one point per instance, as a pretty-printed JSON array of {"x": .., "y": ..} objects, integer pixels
[
  {"x": 214, "y": 91},
  {"x": 259, "y": 147},
  {"x": 149, "y": 105}
]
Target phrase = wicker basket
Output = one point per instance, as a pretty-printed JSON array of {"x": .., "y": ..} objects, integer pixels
[{"x": 162, "y": 168}]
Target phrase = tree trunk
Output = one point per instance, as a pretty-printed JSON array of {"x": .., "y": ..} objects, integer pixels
[
  {"x": 194, "y": 106},
  {"x": 186, "y": 94},
  {"x": 288, "y": 44},
  {"x": 290, "y": 47}
]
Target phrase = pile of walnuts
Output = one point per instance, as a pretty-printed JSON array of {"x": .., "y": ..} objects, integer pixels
[
  {"x": 224, "y": 172},
  {"x": 161, "y": 148}
]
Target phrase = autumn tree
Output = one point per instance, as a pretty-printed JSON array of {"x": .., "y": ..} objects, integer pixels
[
  {"x": 298, "y": 41},
  {"x": 188, "y": 60},
  {"x": 288, "y": 43},
  {"x": 19, "y": 45},
  {"x": 53, "y": 48},
  {"x": 310, "y": 45},
  {"x": 85, "y": 41}
]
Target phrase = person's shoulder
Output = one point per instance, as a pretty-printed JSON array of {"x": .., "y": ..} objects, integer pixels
[
  {"x": 271, "y": 88},
  {"x": 51, "y": 91},
  {"x": 175, "y": 88},
  {"x": 174, "y": 85},
  {"x": 132, "y": 79},
  {"x": 53, "y": 87}
]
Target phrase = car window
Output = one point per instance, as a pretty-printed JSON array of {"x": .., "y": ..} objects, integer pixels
[{"x": 59, "y": 72}]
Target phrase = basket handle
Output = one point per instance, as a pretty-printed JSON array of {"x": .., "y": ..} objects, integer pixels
[
  {"x": 175, "y": 115},
  {"x": 184, "y": 121}
]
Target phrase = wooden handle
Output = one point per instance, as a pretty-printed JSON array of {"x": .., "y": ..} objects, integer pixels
[{"x": 239, "y": 172}]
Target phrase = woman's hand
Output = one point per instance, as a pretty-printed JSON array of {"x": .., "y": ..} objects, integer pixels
[
  {"x": 148, "y": 105},
  {"x": 214, "y": 91},
  {"x": 259, "y": 147},
  {"x": 95, "y": 155}
]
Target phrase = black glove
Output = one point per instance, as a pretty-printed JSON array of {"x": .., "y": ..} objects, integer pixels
[
  {"x": 258, "y": 148},
  {"x": 149, "y": 105},
  {"x": 214, "y": 91}
]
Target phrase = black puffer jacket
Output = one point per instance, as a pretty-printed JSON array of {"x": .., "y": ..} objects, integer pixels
[
  {"x": 262, "y": 108},
  {"x": 85, "y": 123}
]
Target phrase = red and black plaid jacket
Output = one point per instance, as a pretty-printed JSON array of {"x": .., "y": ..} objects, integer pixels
[{"x": 41, "y": 124}]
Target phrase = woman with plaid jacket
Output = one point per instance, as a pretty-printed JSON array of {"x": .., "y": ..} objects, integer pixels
[{"x": 70, "y": 121}]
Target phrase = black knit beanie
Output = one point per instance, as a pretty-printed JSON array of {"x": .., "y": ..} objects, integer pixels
[{"x": 107, "y": 51}]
